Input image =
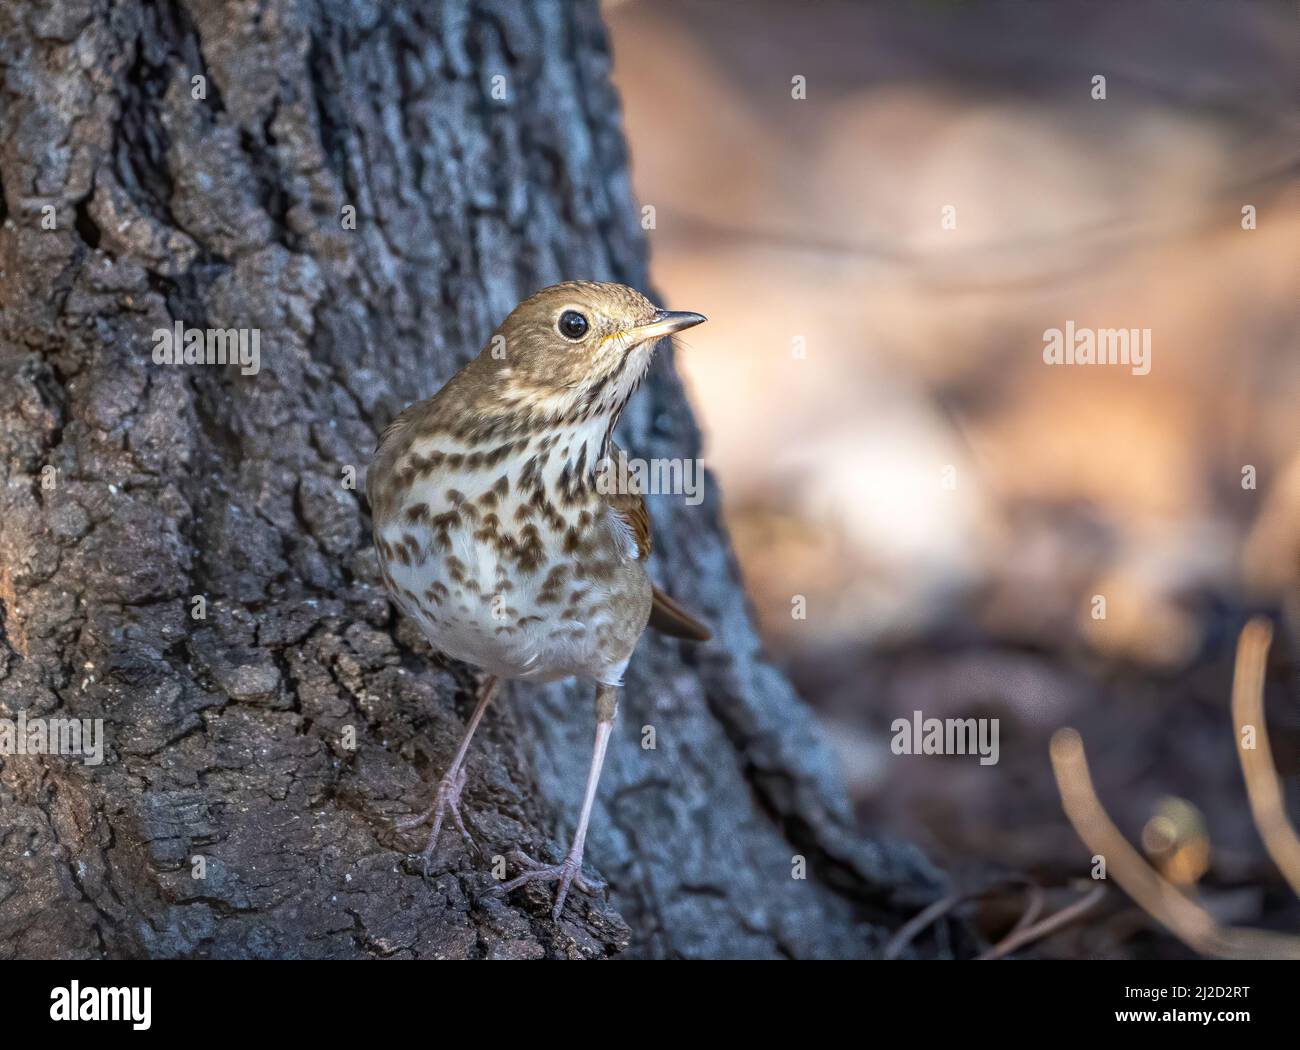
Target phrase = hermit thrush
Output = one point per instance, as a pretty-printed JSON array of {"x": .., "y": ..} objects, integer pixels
[{"x": 494, "y": 535}]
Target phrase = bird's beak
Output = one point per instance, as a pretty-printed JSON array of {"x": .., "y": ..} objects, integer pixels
[{"x": 666, "y": 322}]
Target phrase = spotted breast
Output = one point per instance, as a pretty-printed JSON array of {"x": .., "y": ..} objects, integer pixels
[{"x": 504, "y": 552}]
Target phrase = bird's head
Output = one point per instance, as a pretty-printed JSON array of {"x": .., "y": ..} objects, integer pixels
[{"x": 576, "y": 350}]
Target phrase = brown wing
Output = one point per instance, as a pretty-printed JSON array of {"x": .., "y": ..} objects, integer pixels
[
  {"x": 666, "y": 615},
  {"x": 630, "y": 509}
]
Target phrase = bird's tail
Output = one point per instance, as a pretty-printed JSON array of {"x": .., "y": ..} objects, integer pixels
[{"x": 667, "y": 617}]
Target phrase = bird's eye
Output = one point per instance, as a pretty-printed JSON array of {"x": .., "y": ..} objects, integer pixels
[{"x": 572, "y": 325}]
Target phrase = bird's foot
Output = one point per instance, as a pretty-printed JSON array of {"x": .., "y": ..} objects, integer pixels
[
  {"x": 445, "y": 800},
  {"x": 567, "y": 873}
]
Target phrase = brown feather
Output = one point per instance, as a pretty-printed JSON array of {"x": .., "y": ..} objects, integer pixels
[
  {"x": 668, "y": 617},
  {"x": 631, "y": 509}
]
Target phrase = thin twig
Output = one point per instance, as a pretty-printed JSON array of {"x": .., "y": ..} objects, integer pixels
[
  {"x": 1018, "y": 939},
  {"x": 1262, "y": 785},
  {"x": 910, "y": 929},
  {"x": 1032, "y": 910}
]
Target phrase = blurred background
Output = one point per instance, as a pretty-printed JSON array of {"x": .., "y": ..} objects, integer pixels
[{"x": 892, "y": 447}]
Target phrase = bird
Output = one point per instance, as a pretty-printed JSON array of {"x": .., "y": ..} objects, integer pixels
[{"x": 498, "y": 531}]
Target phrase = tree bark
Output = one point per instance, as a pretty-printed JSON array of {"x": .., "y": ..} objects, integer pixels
[{"x": 257, "y": 756}]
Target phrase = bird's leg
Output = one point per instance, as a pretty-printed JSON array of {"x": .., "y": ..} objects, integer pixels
[
  {"x": 569, "y": 870},
  {"x": 447, "y": 797}
]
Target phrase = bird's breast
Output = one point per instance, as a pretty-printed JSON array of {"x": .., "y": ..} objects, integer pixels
[{"x": 511, "y": 561}]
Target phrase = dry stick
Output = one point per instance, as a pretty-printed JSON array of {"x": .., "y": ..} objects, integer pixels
[
  {"x": 1018, "y": 938},
  {"x": 909, "y": 930},
  {"x": 1161, "y": 899},
  {"x": 1262, "y": 785},
  {"x": 1032, "y": 910},
  {"x": 920, "y": 921}
]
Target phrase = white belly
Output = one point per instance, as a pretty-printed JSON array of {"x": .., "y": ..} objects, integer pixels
[{"x": 475, "y": 605}]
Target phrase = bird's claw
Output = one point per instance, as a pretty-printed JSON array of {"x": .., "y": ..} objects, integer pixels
[
  {"x": 445, "y": 800},
  {"x": 567, "y": 873}
]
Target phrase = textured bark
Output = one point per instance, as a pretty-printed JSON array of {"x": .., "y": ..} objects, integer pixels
[{"x": 227, "y": 736}]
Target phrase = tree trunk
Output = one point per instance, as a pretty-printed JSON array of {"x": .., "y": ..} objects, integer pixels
[{"x": 185, "y": 551}]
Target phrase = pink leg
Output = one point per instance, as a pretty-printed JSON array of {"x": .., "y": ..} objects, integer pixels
[
  {"x": 569, "y": 871},
  {"x": 447, "y": 797}
]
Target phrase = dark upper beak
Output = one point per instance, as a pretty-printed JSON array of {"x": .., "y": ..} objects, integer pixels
[{"x": 666, "y": 322}]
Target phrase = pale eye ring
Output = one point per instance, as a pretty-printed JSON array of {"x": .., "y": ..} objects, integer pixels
[{"x": 572, "y": 325}]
